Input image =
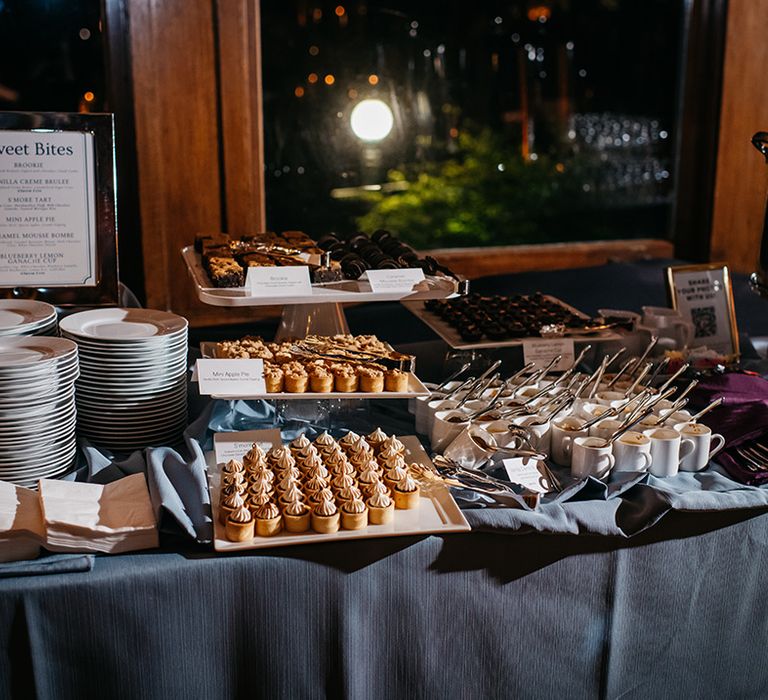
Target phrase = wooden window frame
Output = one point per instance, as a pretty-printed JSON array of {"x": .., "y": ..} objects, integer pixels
[{"x": 194, "y": 106}]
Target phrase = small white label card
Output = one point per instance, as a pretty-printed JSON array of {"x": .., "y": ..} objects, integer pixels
[
  {"x": 231, "y": 377},
  {"x": 526, "y": 472},
  {"x": 292, "y": 281},
  {"x": 542, "y": 352},
  {"x": 400, "y": 280},
  {"x": 234, "y": 445}
]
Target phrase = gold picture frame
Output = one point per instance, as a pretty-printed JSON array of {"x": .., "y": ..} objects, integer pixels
[{"x": 704, "y": 295}]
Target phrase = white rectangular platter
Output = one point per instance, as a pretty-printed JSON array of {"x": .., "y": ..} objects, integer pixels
[
  {"x": 415, "y": 388},
  {"x": 437, "y": 512},
  {"x": 451, "y": 336},
  {"x": 333, "y": 292}
]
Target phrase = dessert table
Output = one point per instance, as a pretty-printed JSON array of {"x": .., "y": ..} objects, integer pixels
[{"x": 675, "y": 606}]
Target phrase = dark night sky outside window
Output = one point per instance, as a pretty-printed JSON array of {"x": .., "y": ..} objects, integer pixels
[{"x": 513, "y": 122}]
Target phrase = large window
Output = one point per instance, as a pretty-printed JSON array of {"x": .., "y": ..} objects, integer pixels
[
  {"x": 460, "y": 123},
  {"x": 51, "y": 56}
]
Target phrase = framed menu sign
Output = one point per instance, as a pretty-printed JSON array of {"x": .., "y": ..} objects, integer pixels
[{"x": 58, "y": 225}]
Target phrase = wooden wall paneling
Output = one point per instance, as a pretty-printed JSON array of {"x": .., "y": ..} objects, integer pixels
[
  {"x": 742, "y": 175},
  {"x": 239, "y": 44},
  {"x": 174, "y": 78}
]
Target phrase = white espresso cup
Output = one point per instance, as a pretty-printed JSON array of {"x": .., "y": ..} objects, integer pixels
[
  {"x": 605, "y": 428},
  {"x": 472, "y": 447},
  {"x": 500, "y": 431},
  {"x": 702, "y": 437},
  {"x": 591, "y": 456},
  {"x": 445, "y": 427},
  {"x": 563, "y": 433},
  {"x": 539, "y": 433},
  {"x": 612, "y": 399},
  {"x": 632, "y": 452},
  {"x": 667, "y": 449}
]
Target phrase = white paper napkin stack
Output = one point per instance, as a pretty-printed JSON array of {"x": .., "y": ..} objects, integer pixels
[
  {"x": 116, "y": 517},
  {"x": 21, "y": 523}
]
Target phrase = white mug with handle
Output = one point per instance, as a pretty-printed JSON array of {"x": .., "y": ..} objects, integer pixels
[{"x": 702, "y": 438}]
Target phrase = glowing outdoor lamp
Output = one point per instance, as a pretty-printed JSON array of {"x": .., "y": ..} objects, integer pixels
[{"x": 371, "y": 120}]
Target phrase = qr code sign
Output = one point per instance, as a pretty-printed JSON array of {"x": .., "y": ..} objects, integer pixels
[{"x": 704, "y": 321}]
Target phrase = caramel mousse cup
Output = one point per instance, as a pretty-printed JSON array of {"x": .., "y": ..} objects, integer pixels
[{"x": 297, "y": 523}]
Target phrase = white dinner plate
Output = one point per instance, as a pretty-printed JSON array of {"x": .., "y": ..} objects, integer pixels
[
  {"x": 122, "y": 324},
  {"x": 20, "y": 314},
  {"x": 26, "y": 351}
]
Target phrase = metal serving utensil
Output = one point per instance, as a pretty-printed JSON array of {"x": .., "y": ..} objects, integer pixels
[
  {"x": 451, "y": 377},
  {"x": 639, "y": 379},
  {"x": 592, "y": 421},
  {"x": 669, "y": 412},
  {"x": 621, "y": 372},
  {"x": 628, "y": 426},
  {"x": 707, "y": 409},
  {"x": 669, "y": 381},
  {"x": 656, "y": 372}
]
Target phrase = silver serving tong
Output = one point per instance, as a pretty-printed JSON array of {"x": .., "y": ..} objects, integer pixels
[
  {"x": 630, "y": 390},
  {"x": 669, "y": 381}
]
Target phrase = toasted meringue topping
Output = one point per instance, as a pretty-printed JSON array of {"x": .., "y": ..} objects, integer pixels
[
  {"x": 407, "y": 484},
  {"x": 376, "y": 437},
  {"x": 285, "y": 461},
  {"x": 343, "y": 480},
  {"x": 394, "y": 462},
  {"x": 287, "y": 482},
  {"x": 387, "y": 451},
  {"x": 259, "y": 498},
  {"x": 234, "y": 501},
  {"x": 394, "y": 443},
  {"x": 254, "y": 456},
  {"x": 260, "y": 483},
  {"x": 379, "y": 487},
  {"x": 233, "y": 478},
  {"x": 379, "y": 500},
  {"x": 293, "y": 494},
  {"x": 267, "y": 511},
  {"x": 240, "y": 515},
  {"x": 349, "y": 493},
  {"x": 397, "y": 474},
  {"x": 324, "y": 440},
  {"x": 276, "y": 453},
  {"x": 368, "y": 475},
  {"x": 232, "y": 466},
  {"x": 326, "y": 508},
  {"x": 349, "y": 439},
  {"x": 295, "y": 508},
  {"x": 356, "y": 505},
  {"x": 315, "y": 483},
  {"x": 322, "y": 495},
  {"x": 300, "y": 443}
]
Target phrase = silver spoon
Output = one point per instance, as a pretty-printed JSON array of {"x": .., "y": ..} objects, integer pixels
[
  {"x": 453, "y": 376},
  {"x": 707, "y": 409}
]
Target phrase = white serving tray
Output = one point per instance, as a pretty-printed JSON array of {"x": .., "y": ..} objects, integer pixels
[
  {"x": 415, "y": 388},
  {"x": 451, "y": 336},
  {"x": 437, "y": 512},
  {"x": 331, "y": 293}
]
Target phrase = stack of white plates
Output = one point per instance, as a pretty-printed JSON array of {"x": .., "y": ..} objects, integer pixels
[
  {"x": 37, "y": 408},
  {"x": 26, "y": 317},
  {"x": 132, "y": 391}
]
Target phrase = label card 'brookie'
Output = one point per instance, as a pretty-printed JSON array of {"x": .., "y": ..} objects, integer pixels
[
  {"x": 231, "y": 377},
  {"x": 400, "y": 280},
  {"x": 542, "y": 352},
  {"x": 279, "y": 281}
]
